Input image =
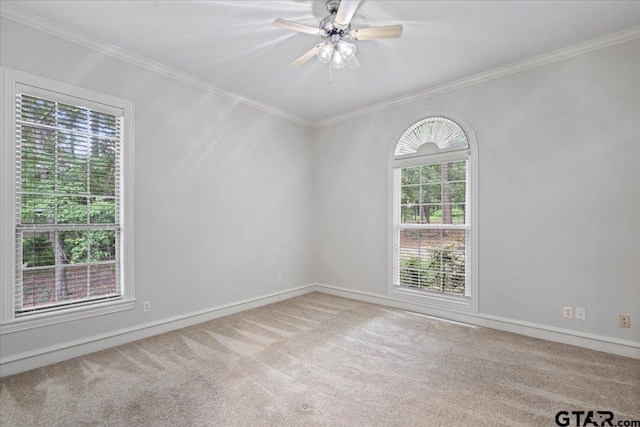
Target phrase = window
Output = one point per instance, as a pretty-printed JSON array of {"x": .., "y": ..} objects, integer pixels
[
  {"x": 433, "y": 205},
  {"x": 68, "y": 217}
]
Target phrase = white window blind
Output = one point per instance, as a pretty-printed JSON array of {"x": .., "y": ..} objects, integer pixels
[
  {"x": 444, "y": 133},
  {"x": 68, "y": 188}
]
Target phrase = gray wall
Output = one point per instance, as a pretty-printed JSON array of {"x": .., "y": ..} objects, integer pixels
[
  {"x": 559, "y": 191},
  {"x": 221, "y": 190},
  {"x": 229, "y": 197}
]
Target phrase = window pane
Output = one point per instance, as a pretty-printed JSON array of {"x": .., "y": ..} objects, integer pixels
[
  {"x": 430, "y": 239},
  {"x": 432, "y": 193},
  {"x": 410, "y": 195},
  {"x": 410, "y": 239},
  {"x": 103, "y": 245},
  {"x": 38, "y": 287},
  {"x": 458, "y": 171},
  {"x": 102, "y": 280},
  {"x": 455, "y": 191},
  {"x": 410, "y": 214},
  {"x": 432, "y": 214},
  {"x": 37, "y": 249},
  {"x": 411, "y": 175},
  {"x": 458, "y": 214},
  {"x": 453, "y": 283},
  {"x": 452, "y": 261},
  {"x": 74, "y": 245},
  {"x": 409, "y": 258},
  {"x": 72, "y": 164},
  {"x": 76, "y": 278},
  {"x": 453, "y": 238},
  {"x": 102, "y": 167},
  {"x": 104, "y": 124},
  {"x": 37, "y": 165},
  {"x": 445, "y": 265},
  {"x": 431, "y": 173},
  {"x": 103, "y": 210},
  {"x": 74, "y": 118},
  {"x": 37, "y": 110},
  {"x": 446, "y": 214},
  {"x": 410, "y": 272},
  {"x": 72, "y": 210},
  {"x": 37, "y": 209}
]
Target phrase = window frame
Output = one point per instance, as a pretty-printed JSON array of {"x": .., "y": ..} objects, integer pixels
[
  {"x": 11, "y": 81},
  {"x": 463, "y": 304}
]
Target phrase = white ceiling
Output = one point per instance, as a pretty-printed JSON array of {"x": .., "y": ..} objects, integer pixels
[{"x": 233, "y": 44}]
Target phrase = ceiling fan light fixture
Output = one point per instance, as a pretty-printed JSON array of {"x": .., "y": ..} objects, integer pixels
[
  {"x": 346, "y": 49},
  {"x": 333, "y": 30},
  {"x": 325, "y": 52},
  {"x": 337, "y": 60}
]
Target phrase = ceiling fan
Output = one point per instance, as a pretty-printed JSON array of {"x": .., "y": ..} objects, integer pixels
[{"x": 333, "y": 29}]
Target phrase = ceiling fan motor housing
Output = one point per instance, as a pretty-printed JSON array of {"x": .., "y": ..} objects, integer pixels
[{"x": 329, "y": 31}]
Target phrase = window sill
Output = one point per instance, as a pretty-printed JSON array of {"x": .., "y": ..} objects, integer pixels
[
  {"x": 462, "y": 304},
  {"x": 67, "y": 315}
]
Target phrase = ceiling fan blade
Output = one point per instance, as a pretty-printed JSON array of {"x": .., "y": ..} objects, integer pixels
[
  {"x": 345, "y": 13},
  {"x": 388, "y": 32},
  {"x": 307, "y": 55},
  {"x": 302, "y": 28}
]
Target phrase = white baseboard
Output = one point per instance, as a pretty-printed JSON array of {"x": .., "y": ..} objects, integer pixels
[
  {"x": 45, "y": 356},
  {"x": 550, "y": 333}
]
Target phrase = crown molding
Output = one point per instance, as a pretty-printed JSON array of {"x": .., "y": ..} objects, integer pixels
[
  {"x": 18, "y": 15},
  {"x": 537, "y": 61},
  {"x": 34, "y": 21}
]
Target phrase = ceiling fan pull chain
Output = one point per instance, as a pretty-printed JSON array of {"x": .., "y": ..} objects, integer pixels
[{"x": 330, "y": 67}]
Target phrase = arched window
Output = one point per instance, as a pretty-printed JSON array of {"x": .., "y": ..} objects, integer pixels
[{"x": 433, "y": 214}]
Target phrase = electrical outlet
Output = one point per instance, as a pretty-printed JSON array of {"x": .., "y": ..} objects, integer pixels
[
  {"x": 345, "y": 277},
  {"x": 279, "y": 279},
  {"x": 567, "y": 312},
  {"x": 146, "y": 306},
  {"x": 624, "y": 321},
  {"x": 581, "y": 313}
]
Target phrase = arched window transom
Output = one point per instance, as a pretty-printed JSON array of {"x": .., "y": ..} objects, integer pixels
[{"x": 432, "y": 135}]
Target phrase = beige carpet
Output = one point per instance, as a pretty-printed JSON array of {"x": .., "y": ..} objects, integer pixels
[{"x": 326, "y": 361}]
